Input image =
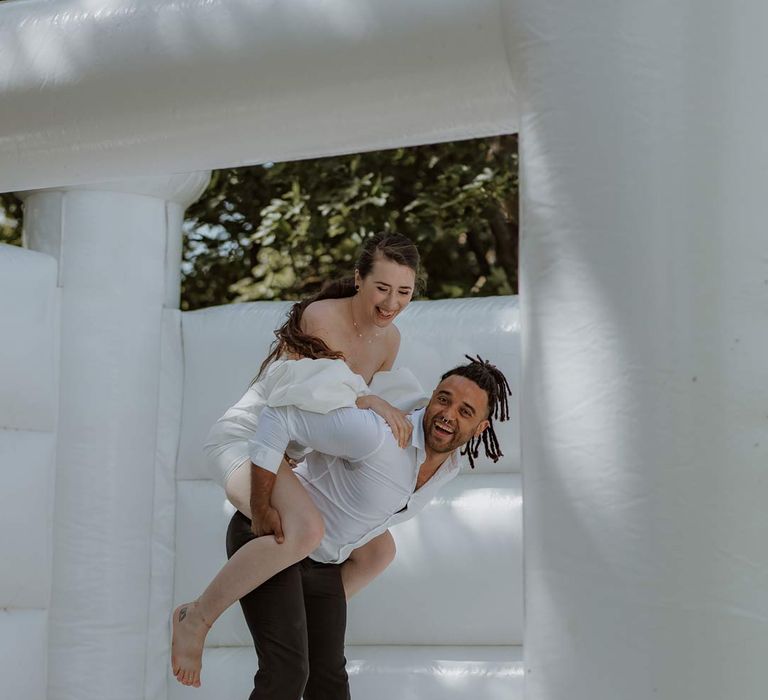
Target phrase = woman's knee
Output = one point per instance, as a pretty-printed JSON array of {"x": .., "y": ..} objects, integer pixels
[
  {"x": 306, "y": 533},
  {"x": 385, "y": 550}
]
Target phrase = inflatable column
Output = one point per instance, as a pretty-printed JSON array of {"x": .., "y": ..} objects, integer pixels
[
  {"x": 645, "y": 335},
  {"x": 118, "y": 246}
]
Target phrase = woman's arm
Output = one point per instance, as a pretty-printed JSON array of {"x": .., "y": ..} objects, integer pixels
[{"x": 396, "y": 419}]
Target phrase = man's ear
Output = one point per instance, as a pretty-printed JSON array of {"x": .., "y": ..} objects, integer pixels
[{"x": 481, "y": 428}]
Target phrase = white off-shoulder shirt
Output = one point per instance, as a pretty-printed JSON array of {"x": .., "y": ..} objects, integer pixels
[{"x": 319, "y": 386}]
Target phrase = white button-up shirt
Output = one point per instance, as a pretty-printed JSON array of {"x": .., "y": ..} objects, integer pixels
[{"x": 359, "y": 478}]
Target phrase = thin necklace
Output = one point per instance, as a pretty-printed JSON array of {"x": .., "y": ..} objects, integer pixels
[{"x": 357, "y": 328}]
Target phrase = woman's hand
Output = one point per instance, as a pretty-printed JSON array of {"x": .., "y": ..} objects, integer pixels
[{"x": 396, "y": 419}]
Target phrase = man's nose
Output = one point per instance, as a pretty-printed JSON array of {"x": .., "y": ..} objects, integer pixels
[{"x": 449, "y": 414}]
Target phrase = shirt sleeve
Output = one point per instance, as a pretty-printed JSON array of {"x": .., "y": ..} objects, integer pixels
[
  {"x": 351, "y": 433},
  {"x": 400, "y": 388},
  {"x": 320, "y": 385}
]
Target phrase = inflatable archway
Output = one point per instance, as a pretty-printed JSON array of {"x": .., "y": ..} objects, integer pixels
[{"x": 643, "y": 302}]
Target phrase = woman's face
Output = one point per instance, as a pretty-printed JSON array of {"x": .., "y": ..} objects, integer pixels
[{"x": 386, "y": 291}]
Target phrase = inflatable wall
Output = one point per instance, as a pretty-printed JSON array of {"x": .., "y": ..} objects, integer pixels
[
  {"x": 643, "y": 329},
  {"x": 29, "y": 324},
  {"x": 445, "y": 620}
]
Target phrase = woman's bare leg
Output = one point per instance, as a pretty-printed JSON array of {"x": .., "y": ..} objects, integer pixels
[
  {"x": 238, "y": 488},
  {"x": 252, "y": 564},
  {"x": 367, "y": 562}
]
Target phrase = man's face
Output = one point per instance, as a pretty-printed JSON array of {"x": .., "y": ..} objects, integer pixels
[{"x": 457, "y": 411}]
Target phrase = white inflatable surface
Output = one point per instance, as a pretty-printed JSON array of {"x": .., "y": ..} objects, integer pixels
[
  {"x": 644, "y": 294},
  {"x": 289, "y": 80},
  {"x": 644, "y": 265},
  {"x": 29, "y": 324},
  {"x": 456, "y": 582},
  {"x": 383, "y": 673}
]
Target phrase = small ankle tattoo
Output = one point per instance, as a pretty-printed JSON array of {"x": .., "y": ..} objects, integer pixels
[{"x": 182, "y": 613}]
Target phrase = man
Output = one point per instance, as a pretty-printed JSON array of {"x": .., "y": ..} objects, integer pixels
[{"x": 362, "y": 483}]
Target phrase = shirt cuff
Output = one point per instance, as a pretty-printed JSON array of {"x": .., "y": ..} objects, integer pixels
[{"x": 266, "y": 458}]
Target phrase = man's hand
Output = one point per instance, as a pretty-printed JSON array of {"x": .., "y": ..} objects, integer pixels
[{"x": 265, "y": 520}]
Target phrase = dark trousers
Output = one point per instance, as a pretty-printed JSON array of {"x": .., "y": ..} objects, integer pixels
[{"x": 297, "y": 619}]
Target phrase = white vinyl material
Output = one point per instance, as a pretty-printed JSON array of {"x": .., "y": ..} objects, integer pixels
[
  {"x": 440, "y": 599},
  {"x": 476, "y": 518},
  {"x": 161, "y": 571},
  {"x": 112, "y": 88},
  {"x": 111, "y": 538},
  {"x": 383, "y": 673},
  {"x": 23, "y": 650},
  {"x": 29, "y": 322},
  {"x": 644, "y": 292},
  {"x": 26, "y": 461},
  {"x": 29, "y": 316}
]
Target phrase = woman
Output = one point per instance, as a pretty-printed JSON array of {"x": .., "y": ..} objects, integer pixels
[{"x": 331, "y": 348}]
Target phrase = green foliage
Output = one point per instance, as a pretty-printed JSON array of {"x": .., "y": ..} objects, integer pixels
[
  {"x": 279, "y": 231},
  {"x": 10, "y": 219}
]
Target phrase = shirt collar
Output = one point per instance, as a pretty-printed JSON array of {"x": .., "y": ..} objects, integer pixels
[{"x": 417, "y": 436}]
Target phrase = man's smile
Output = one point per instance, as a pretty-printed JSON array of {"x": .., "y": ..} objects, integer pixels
[{"x": 442, "y": 428}]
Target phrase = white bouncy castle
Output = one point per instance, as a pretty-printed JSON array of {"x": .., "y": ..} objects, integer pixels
[{"x": 619, "y": 549}]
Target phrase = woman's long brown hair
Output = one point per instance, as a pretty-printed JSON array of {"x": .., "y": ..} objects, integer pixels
[{"x": 291, "y": 339}]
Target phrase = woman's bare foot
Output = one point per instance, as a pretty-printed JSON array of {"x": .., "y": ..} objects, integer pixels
[{"x": 189, "y": 631}]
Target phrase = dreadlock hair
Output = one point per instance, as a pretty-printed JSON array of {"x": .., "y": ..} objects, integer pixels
[
  {"x": 291, "y": 339},
  {"x": 492, "y": 380}
]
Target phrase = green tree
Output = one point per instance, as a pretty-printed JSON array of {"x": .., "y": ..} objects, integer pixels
[
  {"x": 278, "y": 231},
  {"x": 10, "y": 219}
]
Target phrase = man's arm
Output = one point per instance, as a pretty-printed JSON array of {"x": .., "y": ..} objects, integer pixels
[
  {"x": 265, "y": 520},
  {"x": 346, "y": 432}
]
